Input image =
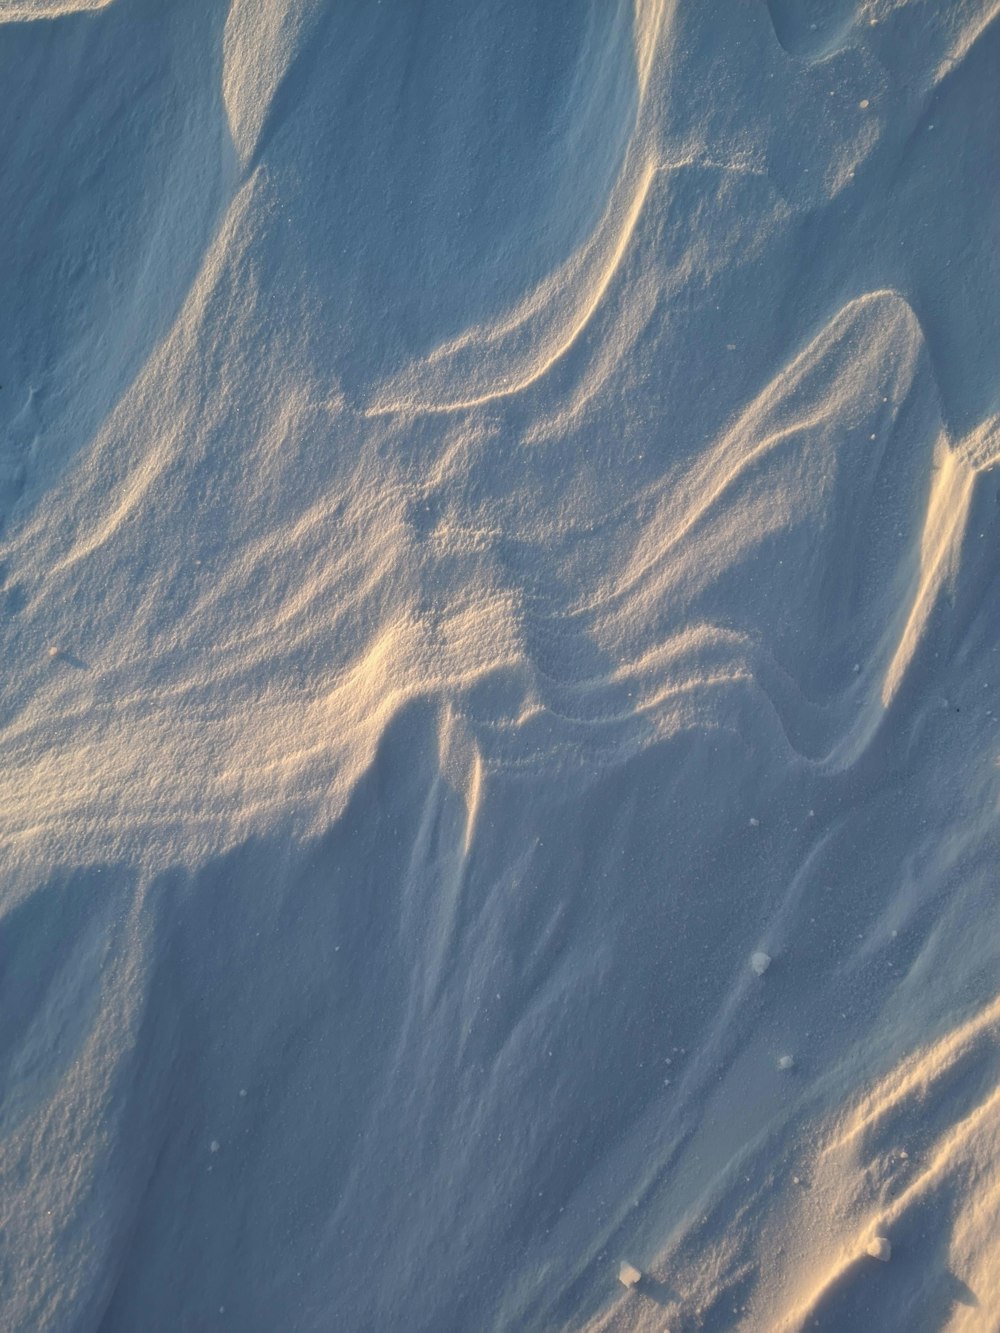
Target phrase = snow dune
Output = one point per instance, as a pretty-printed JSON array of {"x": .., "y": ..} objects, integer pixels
[{"x": 499, "y": 532}]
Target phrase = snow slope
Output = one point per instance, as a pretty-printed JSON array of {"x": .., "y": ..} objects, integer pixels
[{"x": 500, "y": 524}]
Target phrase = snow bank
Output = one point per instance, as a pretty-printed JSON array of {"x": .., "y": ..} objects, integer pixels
[{"x": 499, "y": 516}]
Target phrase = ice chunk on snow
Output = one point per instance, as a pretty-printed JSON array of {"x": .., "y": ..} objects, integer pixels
[
  {"x": 879, "y": 1248},
  {"x": 786, "y": 1062},
  {"x": 628, "y": 1274},
  {"x": 760, "y": 962}
]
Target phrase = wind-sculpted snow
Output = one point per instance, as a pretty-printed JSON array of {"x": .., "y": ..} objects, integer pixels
[
  {"x": 812, "y": 28},
  {"x": 24, "y": 11},
  {"x": 499, "y": 537}
]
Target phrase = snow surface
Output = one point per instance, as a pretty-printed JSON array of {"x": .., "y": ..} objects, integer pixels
[{"x": 500, "y": 521}]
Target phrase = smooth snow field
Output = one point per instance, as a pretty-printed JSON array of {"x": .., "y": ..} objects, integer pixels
[{"x": 500, "y": 715}]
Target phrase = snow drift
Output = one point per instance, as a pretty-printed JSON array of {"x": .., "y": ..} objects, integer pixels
[{"x": 500, "y": 529}]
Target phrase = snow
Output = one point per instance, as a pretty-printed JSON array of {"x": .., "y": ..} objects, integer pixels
[
  {"x": 628, "y": 1274},
  {"x": 760, "y": 962},
  {"x": 498, "y": 525},
  {"x": 879, "y": 1248}
]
